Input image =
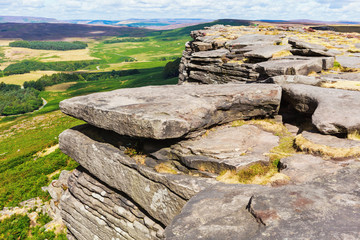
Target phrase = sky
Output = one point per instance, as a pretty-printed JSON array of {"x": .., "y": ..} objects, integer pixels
[{"x": 331, "y": 10}]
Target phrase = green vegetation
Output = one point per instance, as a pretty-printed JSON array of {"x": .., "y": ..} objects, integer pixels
[
  {"x": 47, "y": 45},
  {"x": 30, "y": 65},
  {"x": 17, "y": 227},
  {"x": 120, "y": 40},
  {"x": 171, "y": 69},
  {"x": 14, "y": 100},
  {"x": 23, "y": 177},
  {"x": 57, "y": 78}
]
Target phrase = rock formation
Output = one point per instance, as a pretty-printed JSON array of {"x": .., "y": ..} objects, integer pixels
[{"x": 154, "y": 160}]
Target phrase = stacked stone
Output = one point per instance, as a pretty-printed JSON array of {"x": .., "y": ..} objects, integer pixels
[
  {"x": 118, "y": 193},
  {"x": 220, "y": 54},
  {"x": 149, "y": 156}
]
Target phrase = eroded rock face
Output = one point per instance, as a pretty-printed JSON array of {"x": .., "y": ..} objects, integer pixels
[
  {"x": 92, "y": 210},
  {"x": 161, "y": 195},
  {"x": 322, "y": 209},
  {"x": 333, "y": 110},
  {"x": 173, "y": 111}
]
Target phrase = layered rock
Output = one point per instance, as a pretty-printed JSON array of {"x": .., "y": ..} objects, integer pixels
[
  {"x": 222, "y": 55},
  {"x": 151, "y": 158},
  {"x": 141, "y": 159},
  {"x": 151, "y": 112}
]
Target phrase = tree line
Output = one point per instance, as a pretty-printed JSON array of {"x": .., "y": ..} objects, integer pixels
[
  {"x": 49, "y": 45},
  {"x": 120, "y": 40},
  {"x": 30, "y": 65},
  {"x": 14, "y": 100},
  {"x": 49, "y": 80}
]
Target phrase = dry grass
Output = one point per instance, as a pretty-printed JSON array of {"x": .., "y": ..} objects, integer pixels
[
  {"x": 261, "y": 173},
  {"x": 47, "y": 151},
  {"x": 307, "y": 146},
  {"x": 62, "y": 87},
  {"x": 283, "y": 53},
  {"x": 342, "y": 84},
  {"x": 19, "y": 79},
  {"x": 354, "y": 135},
  {"x": 165, "y": 168},
  {"x": 18, "y": 54}
]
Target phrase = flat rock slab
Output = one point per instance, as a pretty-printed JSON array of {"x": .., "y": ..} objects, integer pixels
[
  {"x": 211, "y": 54},
  {"x": 165, "y": 112},
  {"x": 253, "y": 39},
  {"x": 327, "y": 208},
  {"x": 349, "y": 62},
  {"x": 288, "y": 67},
  {"x": 330, "y": 141},
  {"x": 266, "y": 52},
  {"x": 303, "y": 168},
  {"x": 297, "y": 43},
  {"x": 227, "y": 148},
  {"x": 333, "y": 110},
  {"x": 344, "y": 76},
  {"x": 298, "y": 79}
]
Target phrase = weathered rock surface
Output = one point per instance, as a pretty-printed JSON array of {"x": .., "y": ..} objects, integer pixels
[
  {"x": 286, "y": 66},
  {"x": 243, "y": 41},
  {"x": 303, "y": 168},
  {"x": 298, "y": 79},
  {"x": 333, "y": 110},
  {"x": 92, "y": 210},
  {"x": 226, "y": 148},
  {"x": 152, "y": 112},
  {"x": 349, "y": 62},
  {"x": 327, "y": 208},
  {"x": 266, "y": 52},
  {"x": 344, "y": 76},
  {"x": 165, "y": 193},
  {"x": 297, "y": 43}
]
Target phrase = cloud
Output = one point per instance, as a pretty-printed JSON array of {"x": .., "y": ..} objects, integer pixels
[{"x": 330, "y": 10}]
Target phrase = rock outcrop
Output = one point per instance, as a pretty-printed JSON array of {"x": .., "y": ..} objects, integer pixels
[
  {"x": 249, "y": 57},
  {"x": 153, "y": 160}
]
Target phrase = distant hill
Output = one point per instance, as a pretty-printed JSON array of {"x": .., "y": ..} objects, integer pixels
[
  {"x": 58, "y": 31},
  {"x": 24, "y": 19}
]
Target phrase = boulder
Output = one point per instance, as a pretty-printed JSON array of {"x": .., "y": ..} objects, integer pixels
[
  {"x": 165, "y": 112},
  {"x": 333, "y": 110},
  {"x": 327, "y": 208}
]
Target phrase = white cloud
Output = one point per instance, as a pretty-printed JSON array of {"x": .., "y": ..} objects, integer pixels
[{"x": 330, "y": 10}]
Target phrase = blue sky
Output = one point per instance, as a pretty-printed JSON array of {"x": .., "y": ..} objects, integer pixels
[{"x": 332, "y": 10}]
